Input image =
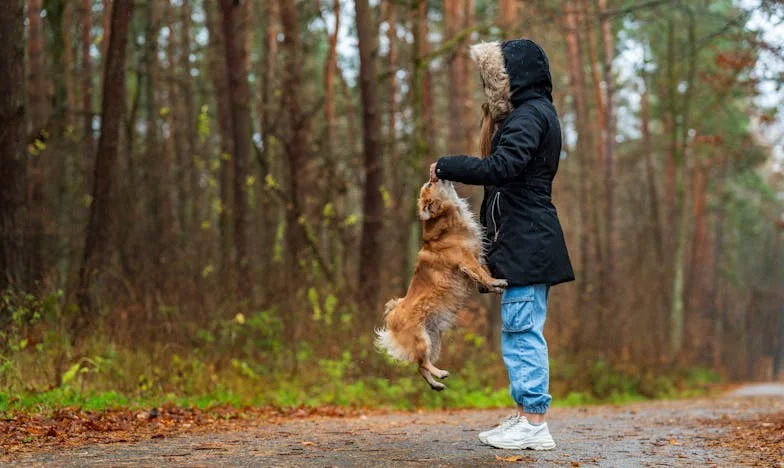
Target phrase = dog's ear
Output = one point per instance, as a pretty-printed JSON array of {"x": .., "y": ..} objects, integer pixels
[
  {"x": 424, "y": 210},
  {"x": 431, "y": 208}
]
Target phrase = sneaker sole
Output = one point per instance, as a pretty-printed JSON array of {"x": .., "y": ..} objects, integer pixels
[{"x": 541, "y": 446}]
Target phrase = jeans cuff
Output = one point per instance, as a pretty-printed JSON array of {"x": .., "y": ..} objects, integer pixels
[{"x": 541, "y": 409}]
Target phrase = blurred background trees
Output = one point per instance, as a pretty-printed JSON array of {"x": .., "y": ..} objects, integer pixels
[{"x": 168, "y": 165}]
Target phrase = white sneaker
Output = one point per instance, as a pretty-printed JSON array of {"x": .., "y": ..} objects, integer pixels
[
  {"x": 523, "y": 435},
  {"x": 503, "y": 425}
]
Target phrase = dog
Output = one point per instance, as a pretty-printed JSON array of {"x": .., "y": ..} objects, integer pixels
[{"x": 448, "y": 265}]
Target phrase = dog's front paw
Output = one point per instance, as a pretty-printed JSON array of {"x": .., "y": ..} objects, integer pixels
[{"x": 498, "y": 285}]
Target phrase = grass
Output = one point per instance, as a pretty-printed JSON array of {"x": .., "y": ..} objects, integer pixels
[{"x": 404, "y": 393}]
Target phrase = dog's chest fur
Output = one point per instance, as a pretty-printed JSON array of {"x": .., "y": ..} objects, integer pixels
[{"x": 473, "y": 229}]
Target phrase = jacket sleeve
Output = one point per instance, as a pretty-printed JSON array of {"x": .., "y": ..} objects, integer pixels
[{"x": 517, "y": 144}]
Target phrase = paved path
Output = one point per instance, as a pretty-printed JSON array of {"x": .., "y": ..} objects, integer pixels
[
  {"x": 763, "y": 390},
  {"x": 671, "y": 433}
]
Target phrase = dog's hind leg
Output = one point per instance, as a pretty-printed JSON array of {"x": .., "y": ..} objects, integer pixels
[
  {"x": 434, "y": 336},
  {"x": 423, "y": 346},
  {"x": 440, "y": 373},
  {"x": 434, "y": 384}
]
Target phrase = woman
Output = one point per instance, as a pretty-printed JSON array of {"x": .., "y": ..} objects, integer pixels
[{"x": 521, "y": 145}]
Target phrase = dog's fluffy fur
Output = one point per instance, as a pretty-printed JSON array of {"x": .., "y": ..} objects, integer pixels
[{"x": 447, "y": 266}]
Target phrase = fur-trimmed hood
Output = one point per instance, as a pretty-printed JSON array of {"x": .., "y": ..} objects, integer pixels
[{"x": 512, "y": 72}]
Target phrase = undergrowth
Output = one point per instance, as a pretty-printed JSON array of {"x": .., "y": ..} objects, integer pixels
[{"x": 242, "y": 361}]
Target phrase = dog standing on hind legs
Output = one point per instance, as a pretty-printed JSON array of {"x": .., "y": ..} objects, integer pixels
[{"x": 448, "y": 266}]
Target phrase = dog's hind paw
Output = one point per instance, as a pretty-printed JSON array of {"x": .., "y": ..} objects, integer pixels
[{"x": 437, "y": 386}]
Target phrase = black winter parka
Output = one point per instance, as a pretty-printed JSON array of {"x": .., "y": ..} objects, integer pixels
[{"x": 524, "y": 241}]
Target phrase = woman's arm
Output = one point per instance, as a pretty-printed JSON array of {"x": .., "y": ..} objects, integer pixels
[{"x": 518, "y": 142}]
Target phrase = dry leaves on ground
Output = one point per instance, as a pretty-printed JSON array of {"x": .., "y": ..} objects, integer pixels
[
  {"x": 69, "y": 427},
  {"x": 759, "y": 439}
]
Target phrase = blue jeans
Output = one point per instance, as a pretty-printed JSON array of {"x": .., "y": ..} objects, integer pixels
[{"x": 523, "y": 312}]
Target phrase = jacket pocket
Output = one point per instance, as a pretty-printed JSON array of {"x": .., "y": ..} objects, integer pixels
[{"x": 517, "y": 314}]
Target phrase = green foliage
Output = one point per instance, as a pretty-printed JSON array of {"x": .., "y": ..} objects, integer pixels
[
  {"x": 204, "y": 123},
  {"x": 239, "y": 361},
  {"x": 18, "y": 312}
]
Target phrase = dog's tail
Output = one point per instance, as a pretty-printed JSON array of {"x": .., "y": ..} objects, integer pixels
[
  {"x": 385, "y": 339},
  {"x": 386, "y": 343}
]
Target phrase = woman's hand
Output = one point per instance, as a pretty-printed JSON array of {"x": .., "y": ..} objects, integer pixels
[{"x": 433, "y": 177}]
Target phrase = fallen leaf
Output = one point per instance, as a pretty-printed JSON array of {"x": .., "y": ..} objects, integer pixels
[
  {"x": 674, "y": 442},
  {"x": 513, "y": 458},
  {"x": 306, "y": 443}
]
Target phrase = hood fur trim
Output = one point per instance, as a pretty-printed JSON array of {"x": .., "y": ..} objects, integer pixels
[{"x": 489, "y": 59}]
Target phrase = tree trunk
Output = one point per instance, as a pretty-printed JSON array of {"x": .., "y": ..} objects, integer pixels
[
  {"x": 330, "y": 69},
  {"x": 39, "y": 108},
  {"x": 601, "y": 121},
  {"x": 39, "y": 116},
  {"x": 716, "y": 292},
  {"x": 583, "y": 147},
  {"x": 188, "y": 175},
  {"x": 650, "y": 172},
  {"x": 458, "y": 16},
  {"x": 677, "y": 314},
  {"x": 87, "y": 83},
  {"x": 106, "y": 27},
  {"x": 469, "y": 111},
  {"x": 175, "y": 116},
  {"x": 13, "y": 173},
  {"x": 99, "y": 229},
  {"x": 700, "y": 262},
  {"x": 217, "y": 64},
  {"x": 609, "y": 131},
  {"x": 267, "y": 81},
  {"x": 452, "y": 25},
  {"x": 296, "y": 147},
  {"x": 422, "y": 87},
  {"x": 162, "y": 154},
  {"x": 594, "y": 185},
  {"x": 372, "y": 204},
  {"x": 507, "y": 17},
  {"x": 397, "y": 167},
  {"x": 331, "y": 191},
  {"x": 236, "y": 68},
  {"x": 68, "y": 57}
]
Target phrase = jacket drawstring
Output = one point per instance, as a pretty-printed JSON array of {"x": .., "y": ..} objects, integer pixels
[{"x": 496, "y": 203}]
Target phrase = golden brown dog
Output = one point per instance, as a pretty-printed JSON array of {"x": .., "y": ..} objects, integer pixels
[{"x": 447, "y": 266}]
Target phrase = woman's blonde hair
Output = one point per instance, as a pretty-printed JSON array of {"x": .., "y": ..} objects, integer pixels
[{"x": 486, "y": 132}]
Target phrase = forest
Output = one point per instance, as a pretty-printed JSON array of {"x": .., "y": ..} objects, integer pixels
[{"x": 209, "y": 201}]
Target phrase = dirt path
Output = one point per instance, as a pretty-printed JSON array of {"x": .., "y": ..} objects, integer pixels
[{"x": 681, "y": 433}]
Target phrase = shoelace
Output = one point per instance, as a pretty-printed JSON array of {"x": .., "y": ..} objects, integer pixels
[{"x": 509, "y": 421}]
